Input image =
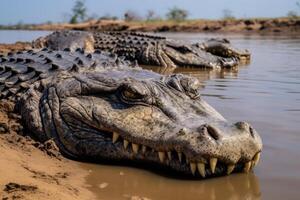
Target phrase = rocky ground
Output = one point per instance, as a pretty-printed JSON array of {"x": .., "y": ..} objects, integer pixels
[
  {"x": 256, "y": 26},
  {"x": 32, "y": 170}
]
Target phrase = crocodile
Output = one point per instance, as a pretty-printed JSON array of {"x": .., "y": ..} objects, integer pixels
[
  {"x": 149, "y": 49},
  {"x": 99, "y": 107}
]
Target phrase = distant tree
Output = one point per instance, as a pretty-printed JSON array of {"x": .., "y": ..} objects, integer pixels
[
  {"x": 132, "y": 16},
  {"x": 177, "y": 14},
  {"x": 292, "y": 14},
  {"x": 151, "y": 16},
  {"x": 298, "y": 5},
  {"x": 108, "y": 17},
  {"x": 79, "y": 12},
  {"x": 19, "y": 25},
  {"x": 228, "y": 14}
]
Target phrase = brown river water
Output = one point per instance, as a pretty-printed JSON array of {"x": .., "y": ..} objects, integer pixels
[{"x": 266, "y": 93}]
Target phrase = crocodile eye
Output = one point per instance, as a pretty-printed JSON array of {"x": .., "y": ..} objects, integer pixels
[
  {"x": 133, "y": 92},
  {"x": 130, "y": 94}
]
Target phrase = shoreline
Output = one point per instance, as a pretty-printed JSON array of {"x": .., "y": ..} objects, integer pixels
[
  {"x": 31, "y": 170},
  {"x": 249, "y": 26}
]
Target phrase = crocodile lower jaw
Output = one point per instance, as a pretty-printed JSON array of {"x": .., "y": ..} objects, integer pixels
[{"x": 212, "y": 167}]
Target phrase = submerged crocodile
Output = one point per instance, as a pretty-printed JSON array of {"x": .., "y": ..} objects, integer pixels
[
  {"x": 97, "y": 106},
  {"x": 149, "y": 49}
]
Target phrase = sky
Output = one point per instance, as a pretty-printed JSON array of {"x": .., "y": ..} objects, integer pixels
[{"x": 39, "y": 11}]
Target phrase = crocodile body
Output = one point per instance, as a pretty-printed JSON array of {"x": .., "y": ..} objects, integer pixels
[
  {"x": 149, "y": 49},
  {"x": 97, "y": 106}
]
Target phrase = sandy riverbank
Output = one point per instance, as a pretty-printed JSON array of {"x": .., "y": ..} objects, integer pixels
[
  {"x": 252, "y": 25},
  {"x": 31, "y": 170},
  {"x": 18, "y": 46}
]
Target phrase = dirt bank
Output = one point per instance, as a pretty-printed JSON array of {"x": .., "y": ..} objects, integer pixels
[
  {"x": 31, "y": 170},
  {"x": 260, "y": 25},
  {"x": 18, "y": 46}
]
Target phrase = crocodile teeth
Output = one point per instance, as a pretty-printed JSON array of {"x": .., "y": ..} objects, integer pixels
[
  {"x": 247, "y": 166},
  {"x": 161, "y": 156},
  {"x": 230, "y": 168},
  {"x": 201, "y": 169},
  {"x": 169, "y": 155},
  {"x": 256, "y": 159},
  {"x": 193, "y": 167},
  {"x": 252, "y": 165},
  {"x": 115, "y": 137},
  {"x": 135, "y": 148},
  {"x": 144, "y": 148},
  {"x": 179, "y": 156},
  {"x": 213, "y": 163},
  {"x": 125, "y": 144}
]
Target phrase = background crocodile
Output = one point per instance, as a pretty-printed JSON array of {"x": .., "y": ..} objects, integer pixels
[
  {"x": 149, "y": 49},
  {"x": 95, "y": 106}
]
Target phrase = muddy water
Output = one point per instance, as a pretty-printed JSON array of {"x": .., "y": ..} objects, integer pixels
[{"x": 267, "y": 94}]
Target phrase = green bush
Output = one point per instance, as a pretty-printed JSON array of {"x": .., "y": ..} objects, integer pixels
[
  {"x": 177, "y": 14},
  {"x": 79, "y": 12}
]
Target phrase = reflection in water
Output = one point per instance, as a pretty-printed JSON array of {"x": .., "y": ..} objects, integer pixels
[
  {"x": 123, "y": 182},
  {"x": 202, "y": 74}
]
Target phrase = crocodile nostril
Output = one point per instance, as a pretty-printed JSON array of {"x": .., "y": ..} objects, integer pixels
[
  {"x": 251, "y": 131},
  {"x": 213, "y": 132},
  {"x": 245, "y": 127}
]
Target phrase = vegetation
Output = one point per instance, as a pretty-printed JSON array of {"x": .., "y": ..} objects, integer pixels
[
  {"x": 173, "y": 16},
  {"x": 108, "y": 17},
  {"x": 152, "y": 16},
  {"x": 177, "y": 14},
  {"x": 228, "y": 14},
  {"x": 79, "y": 12},
  {"x": 292, "y": 13},
  {"x": 132, "y": 16}
]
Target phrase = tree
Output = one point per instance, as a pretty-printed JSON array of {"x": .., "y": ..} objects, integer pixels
[
  {"x": 79, "y": 12},
  {"x": 177, "y": 14},
  {"x": 227, "y": 14},
  {"x": 292, "y": 14},
  {"x": 132, "y": 16},
  {"x": 152, "y": 16}
]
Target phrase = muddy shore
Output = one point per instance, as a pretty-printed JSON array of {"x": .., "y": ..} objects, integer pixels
[
  {"x": 18, "y": 46},
  {"x": 252, "y": 26},
  {"x": 33, "y": 170}
]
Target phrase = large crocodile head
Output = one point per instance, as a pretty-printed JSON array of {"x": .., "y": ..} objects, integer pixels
[{"x": 134, "y": 114}]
